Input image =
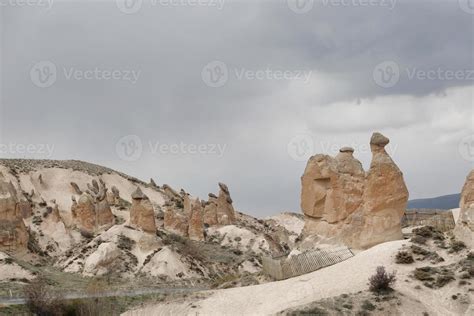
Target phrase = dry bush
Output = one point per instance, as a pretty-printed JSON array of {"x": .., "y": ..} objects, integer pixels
[
  {"x": 381, "y": 281},
  {"x": 428, "y": 232},
  {"x": 41, "y": 298},
  {"x": 404, "y": 257},
  {"x": 457, "y": 246},
  {"x": 434, "y": 277}
]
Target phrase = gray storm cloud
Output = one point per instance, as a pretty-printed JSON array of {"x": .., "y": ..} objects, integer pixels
[{"x": 260, "y": 104}]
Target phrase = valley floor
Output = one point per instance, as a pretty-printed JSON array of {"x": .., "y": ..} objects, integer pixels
[{"x": 346, "y": 278}]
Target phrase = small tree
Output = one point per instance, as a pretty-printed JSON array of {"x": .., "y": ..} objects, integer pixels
[
  {"x": 41, "y": 299},
  {"x": 381, "y": 281}
]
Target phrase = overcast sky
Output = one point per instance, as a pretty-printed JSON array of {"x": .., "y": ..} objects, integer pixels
[{"x": 243, "y": 92}]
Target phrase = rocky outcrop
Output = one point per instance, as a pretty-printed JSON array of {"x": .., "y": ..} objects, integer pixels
[
  {"x": 343, "y": 204},
  {"x": 210, "y": 211},
  {"x": 176, "y": 222},
  {"x": 13, "y": 233},
  {"x": 83, "y": 213},
  {"x": 464, "y": 229},
  {"x": 142, "y": 215},
  {"x": 225, "y": 210},
  {"x": 113, "y": 196},
  {"x": 101, "y": 261},
  {"x": 196, "y": 224},
  {"x": 25, "y": 209},
  {"x": 92, "y": 212}
]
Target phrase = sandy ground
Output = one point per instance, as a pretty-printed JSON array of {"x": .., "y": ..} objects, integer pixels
[
  {"x": 12, "y": 270},
  {"x": 346, "y": 277}
]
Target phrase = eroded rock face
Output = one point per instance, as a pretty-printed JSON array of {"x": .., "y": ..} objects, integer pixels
[
  {"x": 100, "y": 261},
  {"x": 84, "y": 214},
  {"x": 196, "y": 224},
  {"x": 343, "y": 204},
  {"x": 225, "y": 210},
  {"x": 464, "y": 229},
  {"x": 142, "y": 215},
  {"x": 13, "y": 232},
  {"x": 176, "y": 222},
  {"x": 92, "y": 212},
  {"x": 210, "y": 211}
]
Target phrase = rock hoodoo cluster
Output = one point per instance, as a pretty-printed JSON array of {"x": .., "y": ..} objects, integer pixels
[
  {"x": 344, "y": 204},
  {"x": 190, "y": 220},
  {"x": 13, "y": 232},
  {"x": 464, "y": 229},
  {"x": 92, "y": 212},
  {"x": 142, "y": 215}
]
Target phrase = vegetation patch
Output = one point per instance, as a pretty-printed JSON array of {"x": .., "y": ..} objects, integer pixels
[
  {"x": 125, "y": 243},
  {"x": 381, "y": 281},
  {"x": 428, "y": 232},
  {"x": 404, "y": 257},
  {"x": 433, "y": 277},
  {"x": 456, "y": 246},
  {"x": 426, "y": 254}
]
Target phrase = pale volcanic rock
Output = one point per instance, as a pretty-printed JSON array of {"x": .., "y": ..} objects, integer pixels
[
  {"x": 210, "y": 211},
  {"x": 332, "y": 188},
  {"x": 176, "y": 222},
  {"x": 343, "y": 204},
  {"x": 225, "y": 210},
  {"x": 99, "y": 262},
  {"x": 196, "y": 224},
  {"x": 92, "y": 212},
  {"x": 113, "y": 196},
  {"x": 25, "y": 208},
  {"x": 83, "y": 213},
  {"x": 142, "y": 215},
  {"x": 187, "y": 205},
  {"x": 13, "y": 233},
  {"x": 105, "y": 217},
  {"x": 464, "y": 229}
]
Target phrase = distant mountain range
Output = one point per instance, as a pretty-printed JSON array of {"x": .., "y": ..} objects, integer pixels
[{"x": 444, "y": 202}]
